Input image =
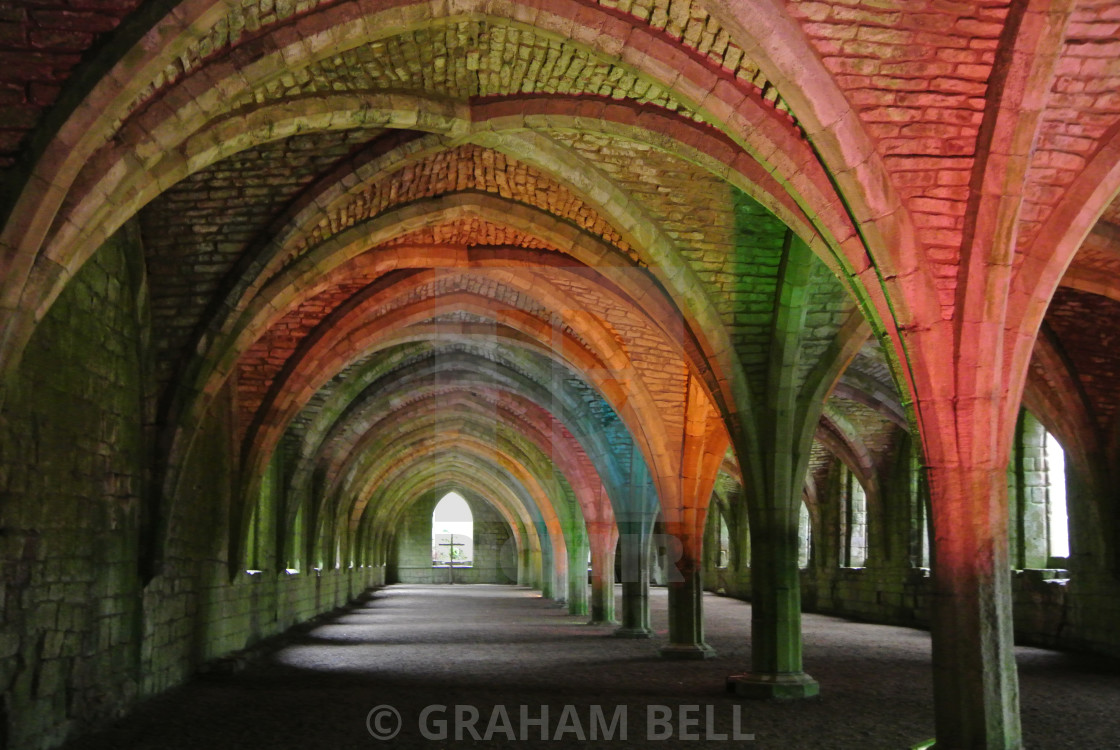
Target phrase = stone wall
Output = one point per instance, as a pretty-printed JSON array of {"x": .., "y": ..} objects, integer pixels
[
  {"x": 1075, "y": 609},
  {"x": 82, "y": 636},
  {"x": 495, "y": 550},
  {"x": 72, "y": 482},
  {"x": 1077, "y": 614}
]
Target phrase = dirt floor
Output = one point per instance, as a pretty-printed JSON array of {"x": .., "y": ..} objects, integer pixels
[{"x": 507, "y": 664}]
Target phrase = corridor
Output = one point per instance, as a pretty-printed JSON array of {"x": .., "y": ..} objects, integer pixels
[{"x": 415, "y": 646}]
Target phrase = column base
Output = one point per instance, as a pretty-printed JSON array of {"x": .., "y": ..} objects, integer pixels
[
  {"x": 687, "y": 651},
  {"x": 633, "y": 633},
  {"x": 924, "y": 745},
  {"x": 761, "y": 686},
  {"x": 602, "y": 622}
]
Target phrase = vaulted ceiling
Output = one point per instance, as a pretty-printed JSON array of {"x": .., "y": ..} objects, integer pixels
[{"x": 472, "y": 232}]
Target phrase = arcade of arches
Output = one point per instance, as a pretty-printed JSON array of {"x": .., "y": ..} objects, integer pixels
[{"x": 799, "y": 301}]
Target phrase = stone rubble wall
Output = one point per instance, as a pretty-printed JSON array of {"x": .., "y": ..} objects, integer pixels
[{"x": 82, "y": 636}]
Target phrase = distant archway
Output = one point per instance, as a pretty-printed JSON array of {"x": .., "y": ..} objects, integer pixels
[{"x": 452, "y": 532}]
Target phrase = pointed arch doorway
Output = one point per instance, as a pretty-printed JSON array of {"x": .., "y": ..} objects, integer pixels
[{"x": 452, "y": 534}]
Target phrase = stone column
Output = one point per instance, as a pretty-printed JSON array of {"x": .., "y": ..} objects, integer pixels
[
  {"x": 525, "y": 568},
  {"x": 635, "y": 550},
  {"x": 776, "y": 670},
  {"x": 975, "y": 683},
  {"x": 577, "y": 574},
  {"x": 686, "y": 613},
  {"x": 603, "y": 541},
  {"x": 547, "y": 575}
]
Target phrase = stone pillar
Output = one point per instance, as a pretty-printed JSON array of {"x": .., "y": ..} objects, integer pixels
[
  {"x": 547, "y": 575},
  {"x": 702, "y": 450},
  {"x": 686, "y": 614},
  {"x": 975, "y": 683},
  {"x": 635, "y": 550},
  {"x": 525, "y": 568},
  {"x": 577, "y": 574},
  {"x": 776, "y": 670},
  {"x": 602, "y": 576}
]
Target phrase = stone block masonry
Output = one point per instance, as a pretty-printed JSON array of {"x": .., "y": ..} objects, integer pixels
[
  {"x": 81, "y": 637},
  {"x": 495, "y": 551}
]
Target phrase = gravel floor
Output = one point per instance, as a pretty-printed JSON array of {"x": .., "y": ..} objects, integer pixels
[{"x": 488, "y": 648}]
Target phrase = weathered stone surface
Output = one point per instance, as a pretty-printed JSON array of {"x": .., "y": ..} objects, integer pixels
[{"x": 559, "y": 255}]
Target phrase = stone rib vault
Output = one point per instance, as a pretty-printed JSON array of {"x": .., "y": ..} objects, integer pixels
[{"x": 811, "y": 303}]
